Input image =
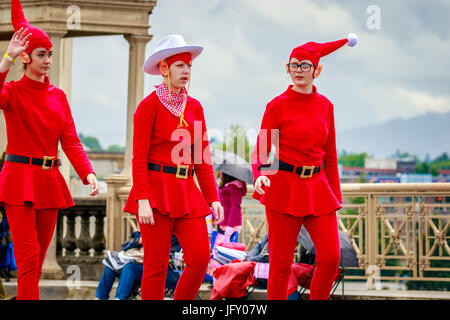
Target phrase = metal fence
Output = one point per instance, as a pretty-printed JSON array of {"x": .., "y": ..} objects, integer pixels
[{"x": 401, "y": 230}]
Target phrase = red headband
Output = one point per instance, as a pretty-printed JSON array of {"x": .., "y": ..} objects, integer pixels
[{"x": 184, "y": 56}]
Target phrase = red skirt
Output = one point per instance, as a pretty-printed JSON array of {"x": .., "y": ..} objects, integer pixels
[
  {"x": 171, "y": 196},
  {"x": 25, "y": 183},
  {"x": 288, "y": 193}
]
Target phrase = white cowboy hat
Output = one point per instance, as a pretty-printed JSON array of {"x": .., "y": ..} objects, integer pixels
[{"x": 167, "y": 47}]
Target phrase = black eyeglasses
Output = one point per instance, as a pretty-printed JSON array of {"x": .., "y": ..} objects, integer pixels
[{"x": 305, "y": 67}]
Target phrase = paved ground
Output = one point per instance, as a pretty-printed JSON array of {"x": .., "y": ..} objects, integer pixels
[{"x": 58, "y": 290}]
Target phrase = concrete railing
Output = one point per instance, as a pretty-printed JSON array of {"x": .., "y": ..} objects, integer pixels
[{"x": 80, "y": 237}]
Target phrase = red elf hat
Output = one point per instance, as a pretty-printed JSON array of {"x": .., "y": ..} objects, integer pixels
[
  {"x": 38, "y": 37},
  {"x": 314, "y": 51}
]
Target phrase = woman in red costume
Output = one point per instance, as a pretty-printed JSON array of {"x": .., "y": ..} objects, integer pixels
[
  {"x": 37, "y": 116},
  {"x": 169, "y": 145},
  {"x": 301, "y": 185}
]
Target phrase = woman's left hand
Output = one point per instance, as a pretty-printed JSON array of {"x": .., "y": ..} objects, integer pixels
[
  {"x": 92, "y": 180},
  {"x": 217, "y": 212}
]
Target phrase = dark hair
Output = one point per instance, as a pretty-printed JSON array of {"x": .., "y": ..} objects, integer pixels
[{"x": 225, "y": 179}]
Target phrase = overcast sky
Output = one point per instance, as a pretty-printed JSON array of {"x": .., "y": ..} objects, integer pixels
[{"x": 399, "y": 69}]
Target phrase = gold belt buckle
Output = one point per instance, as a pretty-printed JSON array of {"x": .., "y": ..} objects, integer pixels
[
  {"x": 186, "y": 171},
  {"x": 311, "y": 169},
  {"x": 44, "y": 167}
]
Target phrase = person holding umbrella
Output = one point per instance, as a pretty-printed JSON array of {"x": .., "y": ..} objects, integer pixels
[
  {"x": 38, "y": 117},
  {"x": 231, "y": 192},
  {"x": 168, "y": 124},
  {"x": 301, "y": 186},
  {"x": 234, "y": 173}
]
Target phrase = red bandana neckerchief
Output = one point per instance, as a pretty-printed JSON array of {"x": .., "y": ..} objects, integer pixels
[{"x": 176, "y": 105}]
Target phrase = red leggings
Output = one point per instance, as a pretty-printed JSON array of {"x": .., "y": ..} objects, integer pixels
[
  {"x": 31, "y": 232},
  {"x": 283, "y": 233},
  {"x": 192, "y": 235}
]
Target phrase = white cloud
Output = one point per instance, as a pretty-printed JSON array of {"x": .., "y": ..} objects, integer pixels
[
  {"x": 323, "y": 18},
  {"x": 387, "y": 101},
  {"x": 423, "y": 102}
]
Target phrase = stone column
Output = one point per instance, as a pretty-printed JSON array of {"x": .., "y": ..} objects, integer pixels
[
  {"x": 114, "y": 211},
  {"x": 114, "y": 182},
  {"x": 135, "y": 91},
  {"x": 60, "y": 76}
]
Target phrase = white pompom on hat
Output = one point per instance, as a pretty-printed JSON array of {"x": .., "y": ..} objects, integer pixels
[{"x": 352, "y": 39}]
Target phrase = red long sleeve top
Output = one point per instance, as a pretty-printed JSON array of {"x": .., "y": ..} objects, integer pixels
[
  {"x": 302, "y": 128},
  {"x": 157, "y": 139},
  {"x": 38, "y": 117}
]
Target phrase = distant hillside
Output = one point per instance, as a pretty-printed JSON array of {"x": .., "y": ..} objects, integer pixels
[{"x": 429, "y": 133}]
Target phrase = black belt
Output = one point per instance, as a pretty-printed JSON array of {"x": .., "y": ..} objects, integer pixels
[
  {"x": 181, "y": 171},
  {"x": 303, "y": 171},
  {"x": 47, "y": 163}
]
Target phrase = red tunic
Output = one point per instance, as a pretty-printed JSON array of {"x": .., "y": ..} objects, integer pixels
[
  {"x": 306, "y": 137},
  {"x": 38, "y": 116},
  {"x": 154, "y": 126}
]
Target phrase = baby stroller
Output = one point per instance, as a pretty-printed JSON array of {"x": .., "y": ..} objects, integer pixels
[{"x": 7, "y": 261}]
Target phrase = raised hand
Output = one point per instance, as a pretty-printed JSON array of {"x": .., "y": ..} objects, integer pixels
[{"x": 19, "y": 43}]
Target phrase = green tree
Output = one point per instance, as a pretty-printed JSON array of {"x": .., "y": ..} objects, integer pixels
[
  {"x": 439, "y": 165},
  {"x": 353, "y": 159},
  {"x": 423, "y": 168},
  {"x": 442, "y": 158},
  {"x": 115, "y": 148},
  {"x": 91, "y": 142},
  {"x": 237, "y": 142},
  {"x": 362, "y": 177}
]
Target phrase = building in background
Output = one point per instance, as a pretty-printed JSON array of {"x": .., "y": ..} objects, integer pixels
[
  {"x": 389, "y": 170},
  {"x": 104, "y": 164}
]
